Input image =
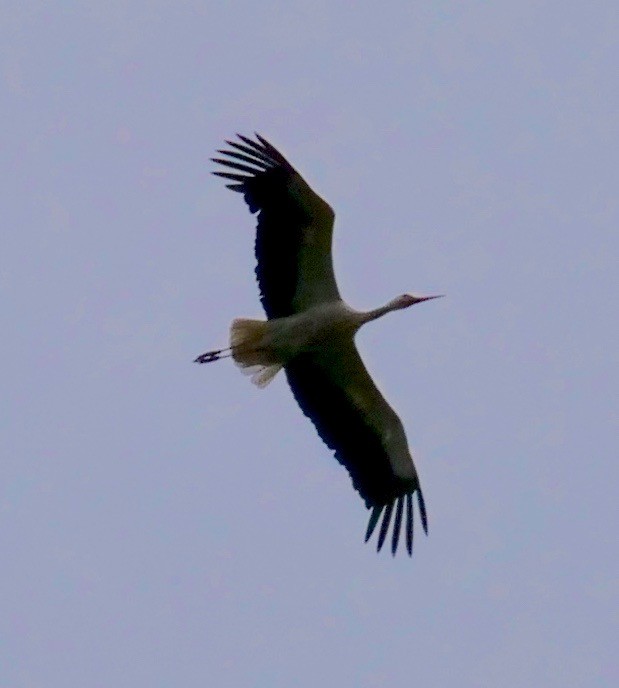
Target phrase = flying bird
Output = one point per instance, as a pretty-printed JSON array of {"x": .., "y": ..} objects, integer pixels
[{"x": 310, "y": 331}]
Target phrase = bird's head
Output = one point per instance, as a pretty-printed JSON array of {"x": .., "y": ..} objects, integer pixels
[{"x": 406, "y": 300}]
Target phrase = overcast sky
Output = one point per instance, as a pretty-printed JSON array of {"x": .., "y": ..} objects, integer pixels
[{"x": 164, "y": 524}]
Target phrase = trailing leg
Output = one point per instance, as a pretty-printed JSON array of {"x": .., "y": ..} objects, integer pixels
[{"x": 211, "y": 356}]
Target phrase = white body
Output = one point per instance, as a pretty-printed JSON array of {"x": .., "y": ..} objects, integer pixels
[{"x": 311, "y": 330}]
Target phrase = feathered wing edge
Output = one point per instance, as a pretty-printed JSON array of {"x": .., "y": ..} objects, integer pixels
[
  {"x": 287, "y": 206},
  {"x": 398, "y": 503},
  {"x": 358, "y": 446}
]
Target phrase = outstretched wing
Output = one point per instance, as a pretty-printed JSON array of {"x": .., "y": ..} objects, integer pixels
[
  {"x": 335, "y": 390},
  {"x": 295, "y": 226}
]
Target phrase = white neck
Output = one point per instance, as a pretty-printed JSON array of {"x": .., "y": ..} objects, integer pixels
[{"x": 368, "y": 316}]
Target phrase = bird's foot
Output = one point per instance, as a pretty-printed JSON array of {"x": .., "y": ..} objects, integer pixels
[
  {"x": 211, "y": 356},
  {"x": 208, "y": 357}
]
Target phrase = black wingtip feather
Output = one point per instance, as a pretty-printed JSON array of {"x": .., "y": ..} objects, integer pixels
[
  {"x": 384, "y": 526},
  {"x": 404, "y": 520},
  {"x": 374, "y": 516},
  {"x": 234, "y": 177},
  {"x": 253, "y": 160},
  {"x": 409, "y": 524},
  {"x": 396, "y": 526},
  {"x": 256, "y": 153},
  {"x": 237, "y": 166},
  {"x": 422, "y": 510},
  {"x": 272, "y": 151},
  {"x": 252, "y": 144}
]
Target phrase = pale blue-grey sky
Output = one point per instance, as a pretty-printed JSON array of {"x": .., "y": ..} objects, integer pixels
[{"x": 164, "y": 524}]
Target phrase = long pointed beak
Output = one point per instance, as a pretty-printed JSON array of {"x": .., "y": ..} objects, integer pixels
[{"x": 428, "y": 298}]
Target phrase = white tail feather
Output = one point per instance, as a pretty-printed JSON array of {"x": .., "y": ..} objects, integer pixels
[
  {"x": 261, "y": 375},
  {"x": 249, "y": 352}
]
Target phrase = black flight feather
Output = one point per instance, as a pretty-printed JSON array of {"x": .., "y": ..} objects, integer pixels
[
  {"x": 409, "y": 524},
  {"x": 250, "y": 151},
  {"x": 396, "y": 525},
  {"x": 246, "y": 158},
  {"x": 357, "y": 444},
  {"x": 374, "y": 516},
  {"x": 282, "y": 217},
  {"x": 384, "y": 527},
  {"x": 238, "y": 166}
]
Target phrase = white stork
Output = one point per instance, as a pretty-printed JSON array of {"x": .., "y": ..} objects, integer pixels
[{"x": 310, "y": 333}]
